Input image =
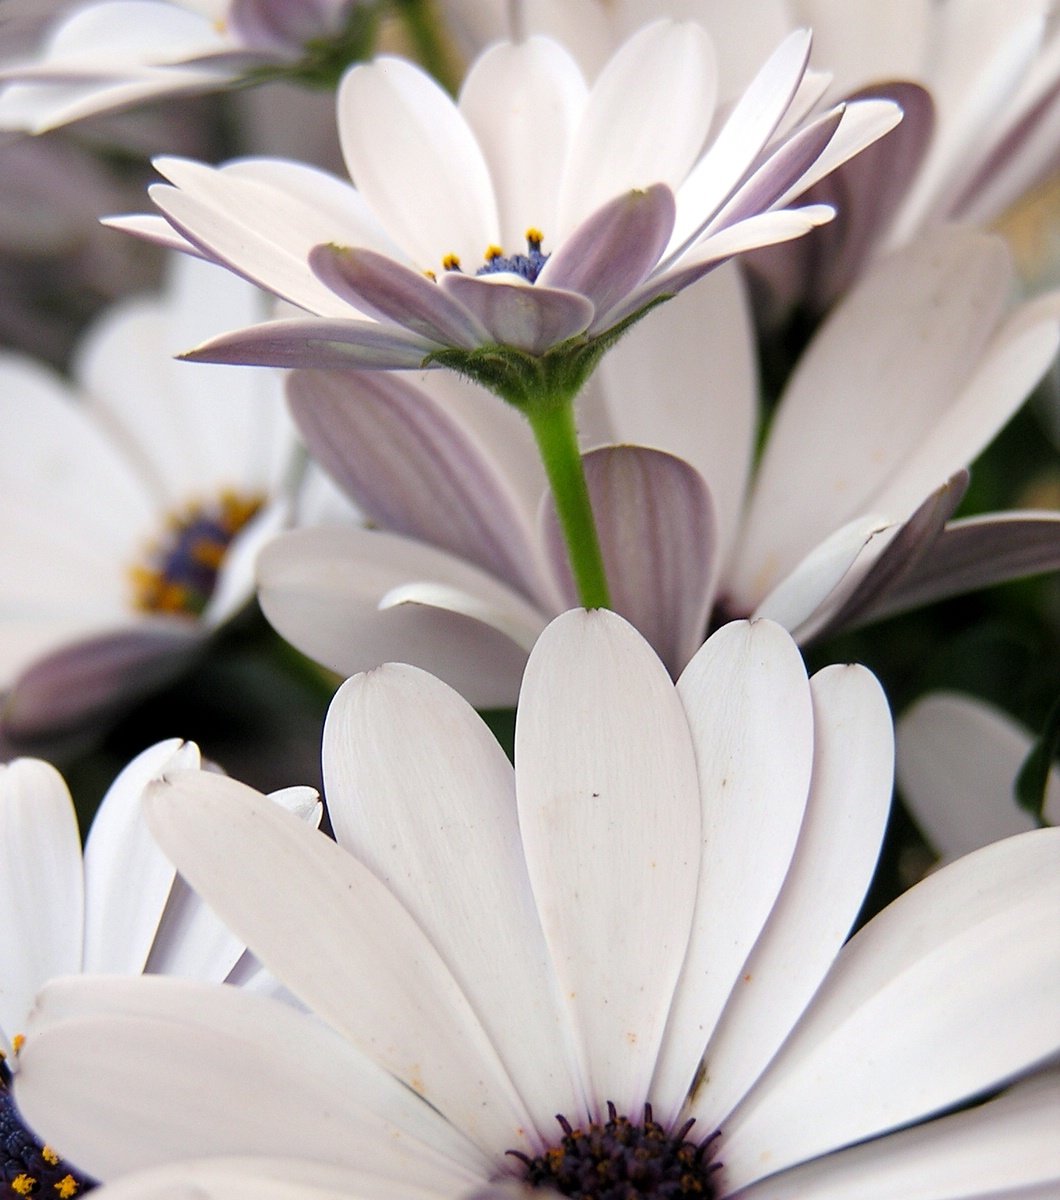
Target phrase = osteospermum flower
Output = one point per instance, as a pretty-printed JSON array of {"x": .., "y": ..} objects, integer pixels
[
  {"x": 121, "y": 909},
  {"x": 957, "y": 763},
  {"x": 844, "y": 519},
  {"x": 131, "y": 507},
  {"x": 112, "y": 54},
  {"x": 534, "y": 211},
  {"x": 640, "y": 928}
]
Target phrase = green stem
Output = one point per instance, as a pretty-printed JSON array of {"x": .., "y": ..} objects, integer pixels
[
  {"x": 557, "y": 441},
  {"x": 421, "y": 22}
]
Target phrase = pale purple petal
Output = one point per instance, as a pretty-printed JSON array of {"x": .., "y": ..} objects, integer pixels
[
  {"x": 414, "y": 468},
  {"x": 655, "y": 522},
  {"x": 612, "y": 250},
  {"x": 522, "y": 315},
  {"x": 384, "y": 289},
  {"x": 98, "y": 676},
  {"x": 320, "y": 343},
  {"x": 974, "y": 553}
]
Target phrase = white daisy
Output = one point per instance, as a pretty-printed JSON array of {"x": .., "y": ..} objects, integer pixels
[
  {"x": 536, "y": 213},
  {"x": 110, "y": 54},
  {"x": 843, "y": 519},
  {"x": 650, "y": 909},
  {"x": 132, "y": 505},
  {"x": 121, "y": 909},
  {"x": 957, "y": 763}
]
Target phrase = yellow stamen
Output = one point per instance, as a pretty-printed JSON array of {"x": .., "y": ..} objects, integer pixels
[
  {"x": 451, "y": 262},
  {"x": 49, "y": 1156},
  {"x": 534, "y": 236},
  {"x": 18, "y": 1041},
  {"x": 493, "y": 252},
  {"x": 24, "y": 1184},
  {"x": 66, "y": 1187}
]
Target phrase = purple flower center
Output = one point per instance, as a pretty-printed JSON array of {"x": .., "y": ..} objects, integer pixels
[
  {"x": 527, "y": 266},
  {"x": 181, "y": 570},
  {"x": 622, "y": 1159}
]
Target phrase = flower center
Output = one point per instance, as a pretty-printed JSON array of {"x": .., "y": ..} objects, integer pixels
[
  {"x": 180, "y": 573},
  {"x": 527, "y": 265},
  {"x": 27, "y": 1166},
  {"x": 625, "y": 1160}
]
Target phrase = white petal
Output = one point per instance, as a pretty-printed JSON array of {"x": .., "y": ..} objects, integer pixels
[
  {"x": 1006, "y": 1148},
  {"x": 331, "y": 591},
  {"x": 369, "y": 970},
  {"x": 127, "y": 877},
  {"x": 846, "y": 814},
  {"x": 129, "y": 1073},
  {"x": 608, "y": 807},
  {"x": 748, "y": 705},
  {"x": 957, "y": 765},
  {"x": 435, "y": 819},
  {"x": 909, "y": 1023},
  {"x": 41, "y": 890},
  {"x": 416, "y": 162}
]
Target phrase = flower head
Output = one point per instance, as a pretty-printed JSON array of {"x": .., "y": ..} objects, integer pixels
[
  {"x": 649, "y": 909},
  {"x": 131, "y": 511},
  {"x": 514, "y": 234}
]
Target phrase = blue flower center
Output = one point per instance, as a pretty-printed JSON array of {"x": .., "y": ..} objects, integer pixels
[
  {"x": 180, "y": 574},
  {"x": 527, "y": 266}
]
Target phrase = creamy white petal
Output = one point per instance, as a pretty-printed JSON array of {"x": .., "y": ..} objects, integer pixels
[
  {"x": 747, "y": 701},
  {"x": 608, "y": 807},
  {"x": 369, "y": 970},
  {"x": 127, "y": 877},
  {"x": 435, "y": 819},
  {"x": 907, "y": 1024},
  {"x": 831, "y": 869},
  {"x": 41, "y": 891},
  {"x": 226, "y": 1073}
]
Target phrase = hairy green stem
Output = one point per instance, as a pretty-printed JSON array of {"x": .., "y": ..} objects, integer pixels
[{"x": 557, "y": 442}]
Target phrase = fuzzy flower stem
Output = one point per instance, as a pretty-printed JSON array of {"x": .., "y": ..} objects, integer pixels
[
  {"x": 557, "y": 442},
  {"x": 421, "y": 23}
]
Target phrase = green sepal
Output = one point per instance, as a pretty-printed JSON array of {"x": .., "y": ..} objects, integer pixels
[{"x": 1032, "y": 782}]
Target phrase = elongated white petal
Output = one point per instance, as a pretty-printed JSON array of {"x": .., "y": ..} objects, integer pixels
[
  {"x": 747, "y": 701},
  {"x": 41, "y": 889},
  {"x": 369, "y": 970},
  {"x": 231, "y": 1073},
  {"x": 323, "y": 590},
  {"x": 127, "y": 877},
  {"x": 523, "y": 101},
  {"x": 1007, "y": 1147},
  {"x": 871, "y": 1055},
  {"x": 413, "y": 157},
  {"x": 831, "y": 869},
  {"x": 609, "y": 812},
  {"x": 958, "y": 759},
  {"x": 436, "y": 821}
]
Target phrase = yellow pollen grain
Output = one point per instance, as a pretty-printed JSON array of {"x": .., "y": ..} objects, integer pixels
[
  {"x": 24, "y": 1184},
  {"x": 493, "y": 252},
  {"x": 208, "y": 553},
  {"x": 431, "y": 276},
  {"x": 67, "y": 1187},
  {"x": 451, "y": 262},
  {"x": 534, "y": 236},
  {"x": 18, "y": 1041},
  {"x": 49, "y": 1156}
]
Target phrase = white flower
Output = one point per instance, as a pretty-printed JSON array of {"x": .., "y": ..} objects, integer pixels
[
  {"x": 120, "y": 910},
  {"x": 131, "y": 508},
  {"x": 843, "y": 520},
  {"x": 957, "y": 762},
  {"x": 667, "y": 877},
  {"x": 535, "y": 211},
  {"x": 111, "y": 54}
]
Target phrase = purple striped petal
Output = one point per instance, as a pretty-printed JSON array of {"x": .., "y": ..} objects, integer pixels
[
  {"x": 522, "y": 315},
  {"x": 413, "y": 469},
  {"x": 975, "y": 553},
  {"x": 382, "y": 288},
  {"x": 94, "y": 678},
  {"x": 655, "y": 520},
  {"x": 317, "y": 342},
  {"x": 614, "y": 249}
]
